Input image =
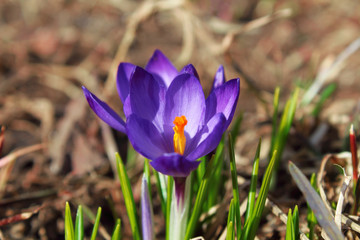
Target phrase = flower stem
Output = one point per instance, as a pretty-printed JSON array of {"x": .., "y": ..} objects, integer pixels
[{"x": 179, "y": 207}]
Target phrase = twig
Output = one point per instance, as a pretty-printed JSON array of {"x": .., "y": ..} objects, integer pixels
[
  {"x": 188, "y": 36},
  {"x": 232, "y": 30},
  {"x": 344, "y": 219},
  {"x": 324, "y": 74},
  {"x": 222, "y": 27},
  {"x": 18, "y": 217},
  {"x": 75, "y": 111},
  {"x": 110, "y": 146},
  {"x": 319, "y": 179},
  {"x": 29, "y": 196},
  {"x": 349, "y": 222},
  {"x": 14, "y": 155},
  {"x": 141, "y": 14},
  {"x": 340, "y": 203}
]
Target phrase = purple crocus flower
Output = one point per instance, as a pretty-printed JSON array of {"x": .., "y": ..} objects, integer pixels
[{"x": 168, "y": 119}]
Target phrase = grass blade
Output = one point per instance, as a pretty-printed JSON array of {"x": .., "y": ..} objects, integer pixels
[
  {"x": 131, "y": 156},
  {"x": 79, "y": 224},
  {"x": 230, "y": 231},
  {"x": 236, "y": 127},
  {"x": 200, "y": 198},
  {"x": 117, "y": 231},
  {"x": 274, "y": 119},
  {"x": 253, "y": 184},
  {"x": 311, "y": 219},
  {"x": 324, "y": 96},
  {"x": 161, "y": 191},
  {"x": 290, "y": 235},
  {"x": 231, "y": 219},
  {"x": 69, "y": 227},
  {"x": 283, "y": 131},
  {"x": 295, "y": 218},
  {"x": 96, "y": 224},
  {"x": 216, "y": 181},
  {"x": 128, "y": 197},
  {"x": 322, "y": 214},
  {"x": 231, "y": 215},
  {"x": 235, "y": 186},
  {"x": 200, "y": 171},
  {"x": 260, "y": 202},
  {"x": 252, "y": 225},
  {"x": 197, "y": 176}
]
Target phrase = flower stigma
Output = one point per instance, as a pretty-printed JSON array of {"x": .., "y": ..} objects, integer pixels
[{"x": 179, "y": 137}]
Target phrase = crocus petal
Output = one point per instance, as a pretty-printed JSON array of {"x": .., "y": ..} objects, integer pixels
[
  {"x": 123, "y": 78},
  {"x": 146, "y": 211},
  {"x": 161, "y": 67},
  {"x": 219, "y": 78},
  {"x": 208, "y": 138},
  {"x": 127, "y": 107},
  {"x": 147, "y": 97},
  {"x": 185, "y": 97},
  {"x": 190, "y": 69},
  {"x": 145, "y": 137},
  {"x": 103, "y": 111},
  {"x": 223, "y": 100},
  {"x": 174, "y": 164}
]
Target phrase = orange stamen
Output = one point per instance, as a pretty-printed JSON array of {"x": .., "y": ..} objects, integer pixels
[{"x": 179, "y": 137}]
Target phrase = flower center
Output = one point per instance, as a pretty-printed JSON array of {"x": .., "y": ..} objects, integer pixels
[{"x": 179, "y": 137}]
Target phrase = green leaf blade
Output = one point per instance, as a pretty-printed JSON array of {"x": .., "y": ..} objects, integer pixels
[
  {"x": 117, "y": 231},
  {"x": 236, "y": 127},
  {"x": 325, "y": 94},
  {"x": 69, "y": 227},
  {"x": 296, "y": 222},
  {"x": 96, "y": 224},
  {"x": 200, "y": 198},
  {"x": 161, "y": 190},
  {"x": 216, "y": 180},
  {"x": 283, "y": 130},
  {"x": 274, "y": 119},
  {"x": 290, "y": 235},
  {"x": 311, "y": 219},
  {"x": 230, "y": 231},
  {"x": 252, "y": 225},
  {"x": 253, "y": 184},
  {"x": 235, "y": 186},
  {"x": 128, "y": 197},
  {"x": 79, "y": 224}
]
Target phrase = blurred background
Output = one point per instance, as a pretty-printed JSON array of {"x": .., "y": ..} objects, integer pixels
[{"x": 49, "y": 49}]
